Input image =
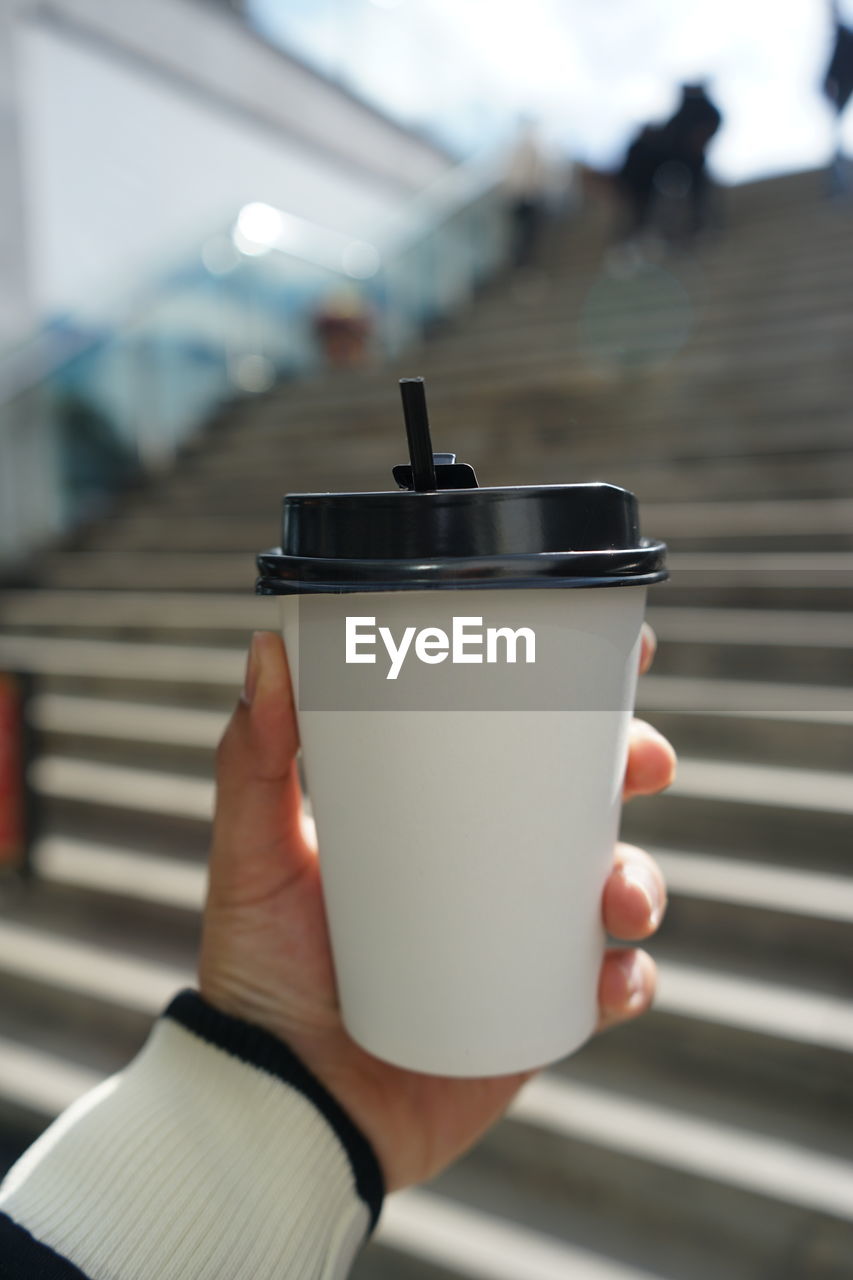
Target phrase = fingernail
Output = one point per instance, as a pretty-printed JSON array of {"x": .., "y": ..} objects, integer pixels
[
  {"x": 649, "y": 731},
  {"x": 651, "y": 734},
  {"x": 631, "y": 968},
  {"x": 253, "y": 667},
  {"x": 650, "y": 639},
  {"x": 673, "y": 762},
  {"x": 641, "y": 877}
]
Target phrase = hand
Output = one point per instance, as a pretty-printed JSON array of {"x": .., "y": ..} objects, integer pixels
[{"x": 265, "y": 953}]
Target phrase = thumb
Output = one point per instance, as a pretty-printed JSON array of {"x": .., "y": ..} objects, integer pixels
[{"x": 259, "y": 843}]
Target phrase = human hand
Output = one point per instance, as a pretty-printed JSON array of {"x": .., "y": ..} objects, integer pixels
[{"x": 265, "y": 954}]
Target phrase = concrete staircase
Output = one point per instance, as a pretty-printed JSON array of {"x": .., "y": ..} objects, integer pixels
[{"x": 713, "y": 1138}]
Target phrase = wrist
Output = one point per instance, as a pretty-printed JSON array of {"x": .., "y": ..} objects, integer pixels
[
  {"x": 357, "y": 1082},
  {"x": 248, "y": 1035},
  {"x": 214, "y": 1143}
]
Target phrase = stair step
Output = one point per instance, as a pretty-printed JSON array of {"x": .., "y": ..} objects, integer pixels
[
  {"x": 754, "y": 568},
  {"x": 97, "y": 783},
  {"x": 685, "y": 990},
  {"x": 707, "y": 817},
  {"x": 142, "y": 985},
  {"x": 812, "y": 704},
  {"x": 651, "y": 294},
  {"x": 221, "y": 611},
  {"x": 754, "y": 884},
  {"x": 195, "y": 727},
  {"x": 762, "y": 909},
  {"x": 481, "y": 1246},
  {"x": 768, "y": 518},
  {"x": 785, "y": 814},
  {"x": 55, "y": 713},
  {"x": 111, "y": 660},
  {"x": 145, "y": 876},
  {"x": 167, "y": 739},
  {"x": 234, "y": 615},
  {"x": 572, "y": 395},
  {"x": 498, "y": 459},
  {"x": 703, "y": 716},
  {"x": 811, "y": 670},
  {"x": 124, "y": 660},
  {"x": 808, "y": 570},
  {"x": 752, "y": 1004},
  {"x": 566, "y": 337},
  {"x": 660, "y": 1135},
  {"x": 189, "y": 571},
  {"x": 227, "y": 611},
  {"x": 582, "y": 409},
  {"x": 593, "y": 1194},
  {"x": 674, "y": 519},
  {"x": 562, "y": 427},
  {"x": 648, "y": 296},
  {"x": 779, "y": 923},
  {"x": 558, "y": 442},
  {"x": 757, "y": 643},
  {"x": 41, "y": 1082},
  {"x": 742, "y": 783},
  {"x": 762, "y": 627},
  {"x": 105, "y": 869}
]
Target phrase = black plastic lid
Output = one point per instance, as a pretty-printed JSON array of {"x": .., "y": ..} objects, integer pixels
[{"x": 456, "y": 535}]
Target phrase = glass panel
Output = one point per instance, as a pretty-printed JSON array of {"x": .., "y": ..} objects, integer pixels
[{"x": 87, "y": 406}]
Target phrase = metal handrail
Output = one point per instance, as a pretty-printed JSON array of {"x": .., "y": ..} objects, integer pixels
[
  {"x": 50, "y": 348},
  {"x": 85, "y": 408}
]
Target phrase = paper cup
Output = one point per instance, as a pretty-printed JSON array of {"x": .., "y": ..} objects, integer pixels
[{"x": 465, "y": 839}]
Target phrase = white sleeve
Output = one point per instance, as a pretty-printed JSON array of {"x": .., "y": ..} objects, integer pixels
[{"x": 215, "y": 1152}]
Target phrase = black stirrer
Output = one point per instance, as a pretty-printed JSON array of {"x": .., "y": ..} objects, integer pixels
[{"x": 417, "y": 433}]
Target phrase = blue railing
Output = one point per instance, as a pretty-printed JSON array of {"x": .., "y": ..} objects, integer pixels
[{"x": 89, "y": 405}]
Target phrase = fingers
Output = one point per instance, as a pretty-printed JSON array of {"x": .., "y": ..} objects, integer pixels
[
  {"x": 634, "y": 898},
  {"x": 651, "y": 761},
  {"x": 258, "y": 839},
  {"x": 633, "y": 907},
  {"x": 648, "y": 648},
  {"x": 626, "y": 986}
]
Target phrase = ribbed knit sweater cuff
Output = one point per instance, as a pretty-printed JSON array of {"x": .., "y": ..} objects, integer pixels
[{"x": 215, "y": 1152}]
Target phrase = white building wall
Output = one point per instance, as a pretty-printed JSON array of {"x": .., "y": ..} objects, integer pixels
[
  {"x": 144, "y": 127},
  {"x": 15, "y": 299}
]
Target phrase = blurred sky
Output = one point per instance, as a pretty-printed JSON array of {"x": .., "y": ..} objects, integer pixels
[{"x": 590, "y": 70}]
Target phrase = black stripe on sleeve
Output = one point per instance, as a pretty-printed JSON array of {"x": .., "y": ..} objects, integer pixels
[
  {"x": 22, "y": 1257},
  {"x": 261, "y": 1049}
]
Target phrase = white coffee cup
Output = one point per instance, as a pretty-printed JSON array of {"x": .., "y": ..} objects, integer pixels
[
  {"x": 464, "y": 664},
  {"x": 463, "y": 853}
]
